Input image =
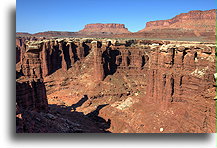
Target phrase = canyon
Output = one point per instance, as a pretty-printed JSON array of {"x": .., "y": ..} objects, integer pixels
[
  {"x": 106, "y": 79},
  {"x": 115, "y": 85}
]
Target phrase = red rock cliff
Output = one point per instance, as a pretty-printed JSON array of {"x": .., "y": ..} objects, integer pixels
[
  {"x": 193, "y": 20},
  {"x": 153, "y": 84},
  {"x": 31, "y": 95},
  {"x": 38, "y": 59}
]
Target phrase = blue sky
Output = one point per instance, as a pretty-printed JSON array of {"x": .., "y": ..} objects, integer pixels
[{"x": 71, "y": 15}]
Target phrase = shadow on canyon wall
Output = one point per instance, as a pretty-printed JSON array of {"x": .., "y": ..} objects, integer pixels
[
  {"x": 91, "y": 119},
  {"x": 110, "y": 57},
  {"x": 71, "y": 56},
  {"x": 35, "y": 115},
  {"x": 80, "y": 102}
]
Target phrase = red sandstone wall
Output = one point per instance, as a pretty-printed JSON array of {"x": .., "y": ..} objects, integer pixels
[
  {"x": 31, "y": 95},
  {"x": 179, "y": 77},
  {"x": 49, "y": 56},
  {"x": 194, "y": 20}
]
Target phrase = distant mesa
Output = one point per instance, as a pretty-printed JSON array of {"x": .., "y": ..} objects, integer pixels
[
  {"x": 195, "y": 25},
  {"x": 23, "y": 33},
  {"x": 55, "y": 33},
  {"x": 201, "y": 21},
  {"x": 104, "y": 29}
]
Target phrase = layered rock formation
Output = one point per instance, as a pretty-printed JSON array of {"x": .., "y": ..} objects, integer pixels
[
  {"x": 133, "y": 85},
  {"x": 199, "y": 21},
  {"x": 20, "y": 49},
  {"x": 21, "y": 46},
  {"x": 104, "y": 29},
  {"x": 178, "y": 86},
  {"x": 31, "y": 95},
  {"x": 192, "y": 26},
  {"x": 33, "y": 114},
  {"x": 42, "y": 58},
  {"x": 98, "y": 61}
]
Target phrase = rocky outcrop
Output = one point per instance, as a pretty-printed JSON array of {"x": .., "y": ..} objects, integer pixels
[
  {"x": 178, "y": 78},
  {"x": 42, "y": 58},
  {"x": 34, "y": 116},
  {"x": 20, "y": 48},
  {"x": 104, "y": 29},
  {"x": 31, "y": 95},
  {"x": 31, "y": 63},
  {"x": 31, "y": 99},
  {"x": 177, "y": 72},
  {"x": 148, "y": 85},
  {"x": 98, "y": 61},
  {"x": 192, "y": 26},
  {"x": 200, "y": 21}
]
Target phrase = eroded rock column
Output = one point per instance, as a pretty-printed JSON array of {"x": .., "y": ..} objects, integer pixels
[
  {"x": 98, "y": 62},
  {"x": 31, "y": 64}
]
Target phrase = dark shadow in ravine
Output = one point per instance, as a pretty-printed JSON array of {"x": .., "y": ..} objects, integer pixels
[
  {"x": 86, "y": 49},
  {"x": 94, "y": 116},
  {"x": 91, "y": 123},
  {"x": 109, "y": 58},
  {"x": 67, "y": 55},
  {"x": 74, "y": 51},
  {"x": 80, "y": 102},
  {"x": 101, "y": 123}
]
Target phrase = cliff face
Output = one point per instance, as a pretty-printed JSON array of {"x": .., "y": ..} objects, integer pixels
[
  {"x": 31, "y": 95},
  {"x": 38, "y": 58},
  {"x": 19, "y": 49},
  {"x": 142, "y": 85},
  {"x": 104, "y": 29},
  {"x": 33, "y": 113},
  {"x": 201, "y": 21},
  {"x": 171, "y": 83}
]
